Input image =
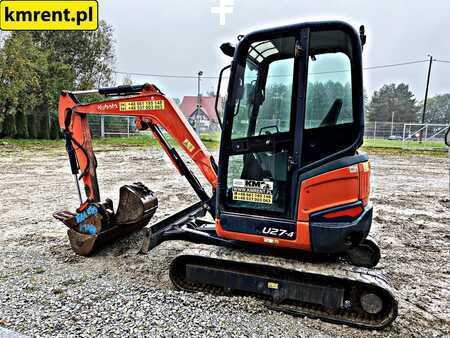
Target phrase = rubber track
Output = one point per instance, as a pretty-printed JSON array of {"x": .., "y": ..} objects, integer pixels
[{"x": 359, "y": 278}]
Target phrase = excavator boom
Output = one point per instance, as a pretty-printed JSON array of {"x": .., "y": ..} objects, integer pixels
[
  {"x": 149, "y": 107},
  {"x": 95, "y": 222}
]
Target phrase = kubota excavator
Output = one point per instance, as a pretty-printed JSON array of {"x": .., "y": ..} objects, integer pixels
[{"x": 289, "y": 179}]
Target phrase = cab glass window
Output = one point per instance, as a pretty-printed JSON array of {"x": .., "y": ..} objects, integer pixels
[
  {"x": 264, "y": 103},
  {"x": 329, "y": 91}
]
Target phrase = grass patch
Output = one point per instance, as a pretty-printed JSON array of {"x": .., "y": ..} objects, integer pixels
[
  {"x": 132, "y": 141},
  {"x": 212, "y": 141},
  {"x": 30, "y": 143},
  {"x": 383, "y": 143},
  {"x": 140, "y": 140},
  {"x": 211, "y": 137},
  {"x": 398, "y": 147},
  {"x": 400, "y": 151}
]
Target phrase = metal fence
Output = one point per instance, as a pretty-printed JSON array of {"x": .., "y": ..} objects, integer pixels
[
  {"x": 112, "y": 126},
  {"x": 425, "y": 132},
  {"x": 383, "y": 130},
  {"x": 124, "y": 126},
  {"x": 407, "y": 135},
  {"x": 404, "y": 135}
]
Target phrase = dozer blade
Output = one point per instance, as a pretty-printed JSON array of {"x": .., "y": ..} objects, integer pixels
[
  {"x": 98, "y": 225},
  {"x": 333, "y": 292}
]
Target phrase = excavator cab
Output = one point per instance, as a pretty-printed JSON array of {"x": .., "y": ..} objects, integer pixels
[{"x": 294, "y": 111}]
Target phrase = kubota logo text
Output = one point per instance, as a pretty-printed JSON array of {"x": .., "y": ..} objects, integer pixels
[
  {"x": 106, "y": 106},
  {"x": 48, "y": 15}
]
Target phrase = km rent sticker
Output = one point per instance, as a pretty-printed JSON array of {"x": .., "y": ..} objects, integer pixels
[
  {"x": 48, "y": 15},
  {"x": 253, "y": 191},
  {"x": 141, "y": 105}
]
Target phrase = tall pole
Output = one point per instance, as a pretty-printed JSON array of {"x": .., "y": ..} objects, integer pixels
[
  {"x": 102, "y": 126},
  {"x": 197, "y": 123},
  {"x": 426, "y": 93},
  {"x": 447, "y": 142},
  {"x": 392, "y": 124}
]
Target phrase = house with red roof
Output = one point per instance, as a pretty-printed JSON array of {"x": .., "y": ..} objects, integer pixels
[{"x": 203, "y": 117}]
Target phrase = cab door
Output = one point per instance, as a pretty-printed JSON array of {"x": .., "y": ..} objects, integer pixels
[
  {"x": 294, "y": 110},
  {"x": 260, "y": 143}
]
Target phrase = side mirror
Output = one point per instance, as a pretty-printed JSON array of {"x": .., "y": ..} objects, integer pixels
[
  {"x": 228, "y": 49},
  {"x": 447, "y": 137},
  {"x": 362, "y": 35}
]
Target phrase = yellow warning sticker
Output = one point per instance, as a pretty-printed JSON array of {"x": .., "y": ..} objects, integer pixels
[
  {"x": 253, "y": 191},
  {"x": 188, "y": 145},
  {"x": 272, "y": 285},
  {"x": 353, "y": 169},
  {"x": 366, "y": 166},
  {"x": 141, "y": 105},
  {"x": 252, "y": 197}
]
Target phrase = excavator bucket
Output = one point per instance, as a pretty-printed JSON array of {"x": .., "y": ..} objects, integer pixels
[{"x": 98, "y": 225}]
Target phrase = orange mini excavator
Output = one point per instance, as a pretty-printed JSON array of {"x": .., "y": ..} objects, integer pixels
[{"x": 289, "y": 179}]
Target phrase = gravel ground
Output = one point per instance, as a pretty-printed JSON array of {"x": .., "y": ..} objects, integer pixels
[{"x": 47, "y": 291}]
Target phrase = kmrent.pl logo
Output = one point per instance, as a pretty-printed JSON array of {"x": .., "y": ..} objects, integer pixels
[{"x": 48, "y": 15}]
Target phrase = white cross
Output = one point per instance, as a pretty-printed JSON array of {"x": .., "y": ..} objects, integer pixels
[{"x": 225, "y": 7}]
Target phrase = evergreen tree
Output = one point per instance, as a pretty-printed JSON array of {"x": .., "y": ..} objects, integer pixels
[
  {"x": 393, "y": 99},
  {"x": 438, "y": 109},
  {"x": 276, "y": 108},
  {"x": 320, "y": 98}
]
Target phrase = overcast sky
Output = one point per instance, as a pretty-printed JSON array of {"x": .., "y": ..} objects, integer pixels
[{"x": 177, "y": 37}]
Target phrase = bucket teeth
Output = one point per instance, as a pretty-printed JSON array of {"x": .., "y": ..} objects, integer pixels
[
  {"x": 67, "y": 217},
  {"x": 98, "y": 225},
  {"x": 64, "y": 215}
]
